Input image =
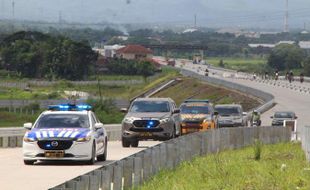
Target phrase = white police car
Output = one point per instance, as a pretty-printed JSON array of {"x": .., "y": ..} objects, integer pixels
[{"x": 65, "y": 132}]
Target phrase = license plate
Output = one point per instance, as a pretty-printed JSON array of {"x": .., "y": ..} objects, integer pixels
[
  {"x": 54, "y": 154},
  {"x": 146, "y": 134}
]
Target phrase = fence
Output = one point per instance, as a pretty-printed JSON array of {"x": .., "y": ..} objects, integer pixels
[
  {"x": 305, "y": 141},
  {"x": 137, "y": 168}
]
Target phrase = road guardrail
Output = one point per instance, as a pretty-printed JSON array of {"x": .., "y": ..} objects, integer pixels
[{"x": 132, "y": 171}]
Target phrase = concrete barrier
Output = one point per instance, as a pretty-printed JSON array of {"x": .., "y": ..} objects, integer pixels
[
  {"x": 305, "y": 141},
  {"x": 136, "y": 169}
]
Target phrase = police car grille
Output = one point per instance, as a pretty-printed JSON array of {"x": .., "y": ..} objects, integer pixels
[
  {"x": 62, "y": 144},
  {"x": 144, "y": 123}
]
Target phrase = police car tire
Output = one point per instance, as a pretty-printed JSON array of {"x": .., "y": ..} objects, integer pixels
[
  {"x": 103, "y": 157},
  {"x": 125, "y": 143},
  {"x": 93, "y": 158},
  {"x": 135, "y": 143},
  {"x": 29, "y": 162}
]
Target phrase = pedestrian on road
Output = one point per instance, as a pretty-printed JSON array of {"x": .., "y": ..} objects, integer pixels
[
  {"x": 302, "y": 77},
  {"x": 287, "y": 76},
  {"x": 291, "y": 76},
  {"x": 276, "y": 75}
]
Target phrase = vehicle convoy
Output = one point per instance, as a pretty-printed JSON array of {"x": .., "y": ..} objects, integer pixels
[
  {"x": 279, "y": 117},
  {"x": 65, "y": 132},
  {"x": 231, "y": 115},
  {"x": 197, "y": 115},
  {"x": 150, "y": 118}
]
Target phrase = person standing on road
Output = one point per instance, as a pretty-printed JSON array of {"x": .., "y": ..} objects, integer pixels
[
  {"x": 276, "y": 75},
  {"x": 291, "y": 76},
  {"x": 287, "y": 76},
  {"x": 302, "y": 77}
]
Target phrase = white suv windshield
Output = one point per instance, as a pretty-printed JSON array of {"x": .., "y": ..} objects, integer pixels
[
  {"x": 150, "y": 106},
  {"x": 63, "y": 121}
]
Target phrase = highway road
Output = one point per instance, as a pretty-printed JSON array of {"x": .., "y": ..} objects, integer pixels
[
  {"x": 286, "y": 99},
  {"x": 14, "y": 175}
]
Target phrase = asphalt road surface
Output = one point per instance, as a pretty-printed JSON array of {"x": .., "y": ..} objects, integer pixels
[{"x": 14, "y": 175}]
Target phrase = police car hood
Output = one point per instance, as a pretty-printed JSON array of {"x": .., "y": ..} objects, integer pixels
[
  {"x": 67, "y": 133},
  {"x": 153, "y": 115}
]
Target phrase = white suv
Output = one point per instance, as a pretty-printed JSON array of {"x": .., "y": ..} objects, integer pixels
[{"x": 65, "y": 132}]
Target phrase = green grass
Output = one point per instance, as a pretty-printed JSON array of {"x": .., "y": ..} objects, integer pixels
[
  {"x": 10, "y": 119},
  {"x": 192, "y": 88},
  {"x": 109, "y": 91},
  {"x": 281, "y": 166},
  {"x": 241, "y": 64}
]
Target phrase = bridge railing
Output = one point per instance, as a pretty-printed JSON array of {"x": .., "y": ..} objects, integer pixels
[{"x": 134, "y": 170}]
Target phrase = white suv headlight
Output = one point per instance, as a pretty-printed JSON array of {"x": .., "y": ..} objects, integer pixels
[
  {"x": 129, "y": 120},
  {"x": 165, "y": 120}
]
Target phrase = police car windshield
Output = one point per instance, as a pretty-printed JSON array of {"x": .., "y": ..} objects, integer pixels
[
  {"x": 194, "y": 109},
  {"x": 150, "y": 106},
  {"x": 226, "y": 111},
  {"x": 63, "y": 121}
]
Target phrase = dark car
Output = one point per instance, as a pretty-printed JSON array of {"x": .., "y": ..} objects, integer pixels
[{"x": 279, "y": 117}]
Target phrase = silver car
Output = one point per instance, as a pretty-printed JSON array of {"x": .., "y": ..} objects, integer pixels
[
  {"x": 150, "y": 118},
  {"x": 231, "y": 115}
]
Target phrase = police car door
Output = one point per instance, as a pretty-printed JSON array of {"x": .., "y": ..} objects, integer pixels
[{"x": 98, "y": 134}]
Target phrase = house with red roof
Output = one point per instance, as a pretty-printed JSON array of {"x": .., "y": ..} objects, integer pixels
[{"x": 134, "y": 52}]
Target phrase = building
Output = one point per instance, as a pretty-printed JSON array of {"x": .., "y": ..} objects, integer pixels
[
  {"x": 108, "y": 51},
  {"x": 134, "y": 52},
  {"x": 304, "y": 44}
]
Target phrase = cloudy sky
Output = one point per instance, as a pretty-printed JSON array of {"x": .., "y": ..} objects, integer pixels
[{"x": 212, "y": 13}]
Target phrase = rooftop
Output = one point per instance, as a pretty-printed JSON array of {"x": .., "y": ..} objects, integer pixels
[{"x": 134, "y": 49}]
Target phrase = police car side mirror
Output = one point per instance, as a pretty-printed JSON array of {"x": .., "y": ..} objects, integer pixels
[
  {"x": 28, "y": 126},
  {"x": 244, "y": 113},
  {"x": 176, "y": 111},
  {"x": 98, "y": 126}
]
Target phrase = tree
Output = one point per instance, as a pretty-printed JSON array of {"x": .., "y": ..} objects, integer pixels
[
  {"x": 307, "y": 67},
  {"x": 285, "y": 57}
]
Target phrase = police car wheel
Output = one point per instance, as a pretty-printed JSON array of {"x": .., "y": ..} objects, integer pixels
[
  {"x": 29, "y": 162},
  {"x": 125, "y": 143},
  {"x": 92, "y": 160},
  {"x": 135, "y": 143},
  {"x": 103, "y": 157}
]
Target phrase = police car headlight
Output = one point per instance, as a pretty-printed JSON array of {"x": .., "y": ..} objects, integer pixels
[
  {"x": 84, "y": 139},
  {"x": 27, "y": 139},
  {"x": 165, "y": 120}
]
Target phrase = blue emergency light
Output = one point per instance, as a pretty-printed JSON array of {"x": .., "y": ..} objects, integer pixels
[
  {"x": 70, "y": 107},
  {"x": 150, "y": 124}
]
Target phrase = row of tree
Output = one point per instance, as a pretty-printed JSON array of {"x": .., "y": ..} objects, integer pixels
[
  {"x": 37, "y": 55},
  {"x": 285, "y": 57}
]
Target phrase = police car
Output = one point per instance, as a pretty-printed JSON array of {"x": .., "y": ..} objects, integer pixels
[{"x": 65, "y": 132}]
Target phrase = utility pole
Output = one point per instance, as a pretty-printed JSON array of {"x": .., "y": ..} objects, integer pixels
[
  {"x": 59, "y": 19},
  {"x": 13, "y": 10},
  {"x": 286, "y": 17},
  {"x": 195, "y": 26},
  {"x": 2, "y": 9}
]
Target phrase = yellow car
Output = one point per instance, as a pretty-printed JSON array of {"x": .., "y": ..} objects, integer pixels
[{"x": 197, "y": 115}]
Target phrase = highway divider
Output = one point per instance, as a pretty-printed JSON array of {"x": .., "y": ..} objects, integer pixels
[{"x": 134, "y": 170}]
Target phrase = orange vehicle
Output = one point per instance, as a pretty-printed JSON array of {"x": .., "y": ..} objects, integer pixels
[{"x": 197, "y": 115}]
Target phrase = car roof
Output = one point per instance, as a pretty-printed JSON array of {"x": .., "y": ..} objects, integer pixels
[
  {"x": 277, "y": 112},
  {"x": 228, "y": 105},
  {"x": 84, "y": 112},
  {"x": 154, "y": 99}
]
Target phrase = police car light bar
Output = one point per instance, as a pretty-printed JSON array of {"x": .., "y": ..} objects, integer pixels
[
  {"x": 70, "y": 107},
  {"x": 198, "y": 101}
]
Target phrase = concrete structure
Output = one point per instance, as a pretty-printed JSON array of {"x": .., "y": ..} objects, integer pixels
[
  {"x": 304, "y": 44},
  {"x": 131, "y": 52}
]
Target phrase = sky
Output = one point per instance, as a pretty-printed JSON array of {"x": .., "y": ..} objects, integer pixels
[{"x": 210, "y": 13}]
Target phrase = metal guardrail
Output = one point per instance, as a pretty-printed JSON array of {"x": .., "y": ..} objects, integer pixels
[{"x": 137, "y": 168}]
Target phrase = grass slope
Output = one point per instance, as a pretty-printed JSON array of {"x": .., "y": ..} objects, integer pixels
[
  {"x": 282, "y": 166},
  {"x": 192, "y": 88}
]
